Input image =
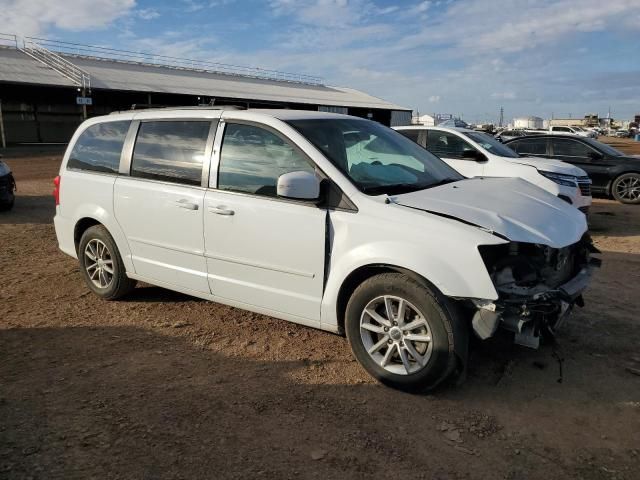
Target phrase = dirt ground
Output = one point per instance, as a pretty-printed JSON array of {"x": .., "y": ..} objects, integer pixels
[{"x": 162, "y": 385}]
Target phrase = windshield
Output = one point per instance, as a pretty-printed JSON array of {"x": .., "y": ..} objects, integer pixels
[
  {"x": 491, "y": 144},
  {"x": 375, "y": 158},
  {"x": 603, "y": 147}
]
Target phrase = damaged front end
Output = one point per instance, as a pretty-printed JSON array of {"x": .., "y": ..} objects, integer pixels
[{"x": 537, "y": 287}]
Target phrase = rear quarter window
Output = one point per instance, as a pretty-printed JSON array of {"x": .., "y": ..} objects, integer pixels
[{"x": 99, "y": 147}]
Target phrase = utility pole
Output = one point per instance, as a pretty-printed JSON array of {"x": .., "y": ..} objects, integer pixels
[{"x": 501, "y": 117}]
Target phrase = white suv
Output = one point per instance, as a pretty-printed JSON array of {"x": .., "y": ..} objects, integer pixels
[
  {"x": 294, "y": 214},
  {"x": 476, "y": 154}
]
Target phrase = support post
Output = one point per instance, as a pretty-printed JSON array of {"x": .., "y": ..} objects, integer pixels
[
  {"x": 2, "y": 137},
  {"x": 84, "y": 107}
]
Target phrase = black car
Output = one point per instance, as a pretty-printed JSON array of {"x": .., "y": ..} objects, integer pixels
[
  {"x": 612, "y": 172},
  {"x": 7, "y": 187}
]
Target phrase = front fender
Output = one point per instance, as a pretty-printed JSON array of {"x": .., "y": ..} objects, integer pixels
[{"x": 453, "y": 265}]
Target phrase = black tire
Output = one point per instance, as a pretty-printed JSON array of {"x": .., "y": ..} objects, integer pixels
[
  {"x": 119, "y": 284},
  {"x": 442, "y": 360},
  {"x": 626, "y": 188},
  {"x": 5, "y": 207}
]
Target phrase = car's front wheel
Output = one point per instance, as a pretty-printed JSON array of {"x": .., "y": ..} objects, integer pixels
[
  {"x": 626, "y": 188},
  {"x": 101, "y": 264},
  {"x": 401, "y": 332}
]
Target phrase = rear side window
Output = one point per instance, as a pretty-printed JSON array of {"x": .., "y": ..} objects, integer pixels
[
  {"x": 570, "y": 148},
  {"x": 561, "y": 129},
  {"x": 444, "y": 144},
  {"x": 530, "y": 146},
  {"x": 252, "y": 159},
  {"x": 411, "y": 134},
  {"x": 171, "y": 151},
  {"x": 99, "y": 147}
]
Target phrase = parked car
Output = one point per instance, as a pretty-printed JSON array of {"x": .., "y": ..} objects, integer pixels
[
  {"x": 574, "y": 130},
  {"x": 505, "y": 135},
  {"x": 475, "y": 154},
  {"x": 326, "y": 220},
  {"x": 612, "y": 172},
  {"x": 621, "y": 134},
  {"x": 7, "y": 187}
]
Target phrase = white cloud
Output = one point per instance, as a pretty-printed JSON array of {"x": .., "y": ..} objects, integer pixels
[
  {"x": 516, "y": 25},
  {"x": 434, "y": 98},
  {"x": 421, "y": 7},
  {"x": 35, "y": 17},
  {"x": 147, "y": 13},
  {"x": 504, "y": 95}
]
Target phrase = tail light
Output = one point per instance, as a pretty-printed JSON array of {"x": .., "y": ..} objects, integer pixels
[{"x": 56, "y": 190}]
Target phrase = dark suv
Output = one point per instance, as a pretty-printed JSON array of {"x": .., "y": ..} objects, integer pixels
[
  {"x": 7, "y": 187},
  {"x": 612, "y": 172}
]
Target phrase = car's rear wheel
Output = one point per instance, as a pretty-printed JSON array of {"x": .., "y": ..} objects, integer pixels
[
  {"x": 626, "y": 188},
  {"x": 101, "y": 264},
  {"x": 400, "y": 332}
]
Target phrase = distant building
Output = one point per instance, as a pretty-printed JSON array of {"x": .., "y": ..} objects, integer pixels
[
  {"x": 531, "y": 123},
  {"x": 426, "y": 120},
  {"x": 567, "y": 122},
  {"x": 591, "y": 120},
  {"x": 48, "y": 87}
]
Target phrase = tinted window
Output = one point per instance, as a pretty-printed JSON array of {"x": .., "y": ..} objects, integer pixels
[
  {"x": 530, "y": 146},
  {"x": 411, "y": 134},
  {"x": 444, "y": 144},
  {"x": 491, "y": 145},
  {"x": 603, "y": 147},
  {"x": 561, "y": 129},
  {"x": 252, "y": 159},
  {"x": 99, "y": 147},
  {"x": 171, "y": 151},
  {"x": 570, "y": 148}
]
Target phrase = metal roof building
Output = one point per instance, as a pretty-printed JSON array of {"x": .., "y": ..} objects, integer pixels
[{"x": 40, "y": 81}]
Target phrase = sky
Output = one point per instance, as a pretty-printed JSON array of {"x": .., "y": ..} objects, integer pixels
[{"x": 547, "y": 58}]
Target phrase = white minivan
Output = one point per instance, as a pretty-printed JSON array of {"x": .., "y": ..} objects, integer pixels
[
  {"x": 476, "y": 154},
  {"x": 289, "y": 213}
]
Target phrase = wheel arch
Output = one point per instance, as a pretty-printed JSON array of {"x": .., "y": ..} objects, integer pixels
[
  {"x": 81, "y": 226},
  {"x": 91, "y": 217},
  {"x": 363, "y": 273}
]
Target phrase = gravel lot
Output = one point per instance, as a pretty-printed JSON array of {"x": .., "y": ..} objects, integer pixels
[{"x": 162, "y": 385}]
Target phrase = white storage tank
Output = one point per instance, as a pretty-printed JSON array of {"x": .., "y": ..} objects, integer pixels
[{"x": 530, "y": 123}]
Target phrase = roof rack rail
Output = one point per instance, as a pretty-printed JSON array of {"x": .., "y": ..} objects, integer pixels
[{"x": 146, "y": 106}]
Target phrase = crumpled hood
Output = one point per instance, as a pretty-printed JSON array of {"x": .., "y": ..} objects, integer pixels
[
  {"x": 550, "y": 165},
  {"x": 511, "y": 207}
]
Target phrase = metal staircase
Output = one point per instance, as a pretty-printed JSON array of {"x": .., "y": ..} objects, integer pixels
[{"x": 58, "y": 63}]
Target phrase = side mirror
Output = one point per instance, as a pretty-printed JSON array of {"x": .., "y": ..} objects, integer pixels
[
  {"x": 596, "y": 156},
  {"x": 472, "y": 154},
  {"x": 299, "y": 185}
]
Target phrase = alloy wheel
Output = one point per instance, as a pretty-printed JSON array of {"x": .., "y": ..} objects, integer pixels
[
  {"x": 396, "y": 335},
  {"x": 629, "y": 188},
  {"x": 98, "y": 263}
]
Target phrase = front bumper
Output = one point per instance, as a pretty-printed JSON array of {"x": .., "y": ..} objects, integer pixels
[{"x": 531, "y": 316}]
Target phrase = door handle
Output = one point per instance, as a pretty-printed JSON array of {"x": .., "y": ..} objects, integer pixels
[
  {"x": 221, "y": 210},
  {"x": 186, "y": 204}
]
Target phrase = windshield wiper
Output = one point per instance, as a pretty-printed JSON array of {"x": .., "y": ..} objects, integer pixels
[
  {"x": 398, "y": 188},
  {"x": 444, "y": 181}
]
